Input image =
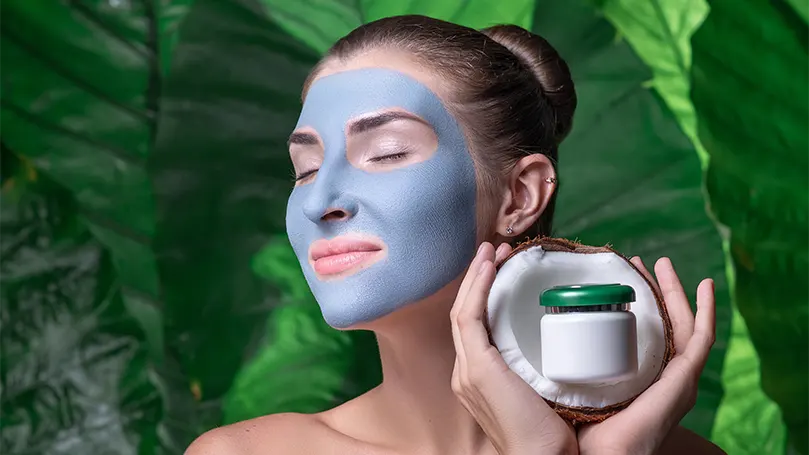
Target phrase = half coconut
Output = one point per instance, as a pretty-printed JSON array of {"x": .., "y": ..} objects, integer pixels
[{"x": 514, "y": 313}]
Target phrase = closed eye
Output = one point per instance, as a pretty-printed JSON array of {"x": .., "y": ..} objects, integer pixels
[
  {"x": 391, "y": 157},
  {"x": 303, "y": 175}
]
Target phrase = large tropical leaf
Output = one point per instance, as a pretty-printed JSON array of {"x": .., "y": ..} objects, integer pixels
[
  {"x": 73, "y": 373},
  {"x": 81, "y": 87},
  {"x": 660, "y": 32},
  {"x": 747, "y": 421},
  {"x": 750, "y": 90},
  {"x": 319, "y": 23},
  {"x": 801, "y": 7},
  {"x": 85, "y": 114},
  {"x": 221, "y": 177}
]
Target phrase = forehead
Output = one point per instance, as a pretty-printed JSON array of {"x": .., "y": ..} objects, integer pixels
[
  {"x": 383, "y": 58},
  {"x": 335, "y": 98}
]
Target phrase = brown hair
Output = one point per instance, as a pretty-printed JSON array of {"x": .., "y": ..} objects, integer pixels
[{"x": 513, "y": 94}]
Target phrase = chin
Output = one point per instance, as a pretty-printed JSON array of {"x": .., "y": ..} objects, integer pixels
[
  {"x": 432, "y": 308},
  {"x": 345, "y": 322}
]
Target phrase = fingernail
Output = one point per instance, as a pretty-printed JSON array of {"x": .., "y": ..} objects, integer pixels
[{"x": 480, "y": 248}]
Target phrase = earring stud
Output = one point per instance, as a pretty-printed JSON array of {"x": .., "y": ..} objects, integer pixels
[
  {"x": 551, "y": 179},
  {"x": 509, "y": 231}
]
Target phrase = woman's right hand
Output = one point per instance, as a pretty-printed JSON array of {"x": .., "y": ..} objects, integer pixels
[
  {"x": 512, "y": 414},
  {"x": 645, "y": 426}
]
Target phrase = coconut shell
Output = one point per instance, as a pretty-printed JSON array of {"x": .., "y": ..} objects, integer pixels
[{"x": 582, "y": 415}]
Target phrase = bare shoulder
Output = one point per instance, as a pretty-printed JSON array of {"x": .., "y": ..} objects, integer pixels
[
  {"x": 681, "y": 440},
  {"x": 278, "y": 433}
]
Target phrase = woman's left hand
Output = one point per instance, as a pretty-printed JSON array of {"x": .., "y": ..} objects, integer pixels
[
  {"x": 514, "y": 417},
  {"x": 642, "y": 427}
]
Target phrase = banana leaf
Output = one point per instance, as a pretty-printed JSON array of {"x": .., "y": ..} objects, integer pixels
[
  {"x": 749, "y": 81},
  {"x": 73, "y": 377}
]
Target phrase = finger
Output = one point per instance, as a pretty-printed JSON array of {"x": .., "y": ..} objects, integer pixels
[
  {"x": 666, "y": 401},
  {"x": 638, "y": 263},
  {"x": 460, "y": 354},
  {"x": 659, "y": 407},
  {"x": 455, "y": 382},
  {"x": 484, "y": 251},
  {"x": 699, "y": 346},
  {"x": 470, "y": 316},
  {"x": 459, "y": 299},
  {"x": 677, "y": 306},
  {"x": 471, "y": 272},
  {"x": 502, "y": 251}
]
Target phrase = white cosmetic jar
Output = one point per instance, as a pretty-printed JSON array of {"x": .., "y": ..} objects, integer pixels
[{"x": 588, "y": 335}]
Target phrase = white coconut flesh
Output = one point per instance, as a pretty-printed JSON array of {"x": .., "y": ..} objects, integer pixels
[{"x": 514, "y": 317}]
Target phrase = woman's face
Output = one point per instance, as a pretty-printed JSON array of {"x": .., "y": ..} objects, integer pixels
[{"x": 383, "y": 211}]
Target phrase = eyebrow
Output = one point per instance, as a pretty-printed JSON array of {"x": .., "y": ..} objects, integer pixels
[
  {"x": 303, "y": 139},
  {"x": 375, "y": 121},
  {"x": 358, "y": 126}
]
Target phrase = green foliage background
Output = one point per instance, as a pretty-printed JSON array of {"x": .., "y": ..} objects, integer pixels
[{"x": 148, "y": 291}]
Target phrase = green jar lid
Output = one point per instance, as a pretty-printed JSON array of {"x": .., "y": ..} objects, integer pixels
[{"x": 587, "y": 294}]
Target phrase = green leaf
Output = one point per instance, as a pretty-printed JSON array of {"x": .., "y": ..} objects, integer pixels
[
  {"x": 85, "y": 113},
  {"x": 628, "y": 175},
  {"x": 73, "y": 375},
  {"x": 303, "y": 367},
  {"x": 747, "y": 421},
  {"x": 660, "y": 32},
  {"x": 222, "y": 176},
  {"x": 81, "y": 105},
  {"x": 319, "y": 23},
  {"x": 81, "y": 113},
  {"x": 172, "y": 14},
  {"x": 749, "y": 89},
  {"x": 801, "y": 7}
]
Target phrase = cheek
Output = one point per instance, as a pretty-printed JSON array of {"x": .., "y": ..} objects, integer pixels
[
  {"x": 295, "y": 223},
  {"x": 406, "y": 201},
  {"x": 420, "y": 204}
]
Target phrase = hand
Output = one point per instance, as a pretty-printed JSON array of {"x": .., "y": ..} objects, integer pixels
[
  {"x": 511, "y": 413},
  {"x": 642, "y": 427}
]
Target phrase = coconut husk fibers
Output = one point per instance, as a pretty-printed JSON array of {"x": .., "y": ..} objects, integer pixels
[{"x": 582, "y": 415}]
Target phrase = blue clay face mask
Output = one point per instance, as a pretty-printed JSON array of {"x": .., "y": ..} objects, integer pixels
[{"x": 419, "y": 215}]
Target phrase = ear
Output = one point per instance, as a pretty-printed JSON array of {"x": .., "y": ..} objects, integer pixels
[{"x": 530, "y": 186}]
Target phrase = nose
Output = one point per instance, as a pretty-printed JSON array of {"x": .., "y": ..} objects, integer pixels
[{"x": 328, "y": 211}]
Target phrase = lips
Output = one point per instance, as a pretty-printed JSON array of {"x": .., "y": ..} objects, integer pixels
[{"x": 344, "y": 255}]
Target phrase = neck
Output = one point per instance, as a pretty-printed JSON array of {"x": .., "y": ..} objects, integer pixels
[{"x": 418, "y": 356}]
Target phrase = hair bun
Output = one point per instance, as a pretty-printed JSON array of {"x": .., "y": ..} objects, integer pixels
[{"x": 549, "y": 69}]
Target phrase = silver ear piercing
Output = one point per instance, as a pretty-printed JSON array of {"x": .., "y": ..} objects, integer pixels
[
  {"x": 509, "y": 231},
  {"x": 551, "y": 179}
]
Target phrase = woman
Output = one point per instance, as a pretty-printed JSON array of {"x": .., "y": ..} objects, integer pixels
[{"x": 422, "y": 144}]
